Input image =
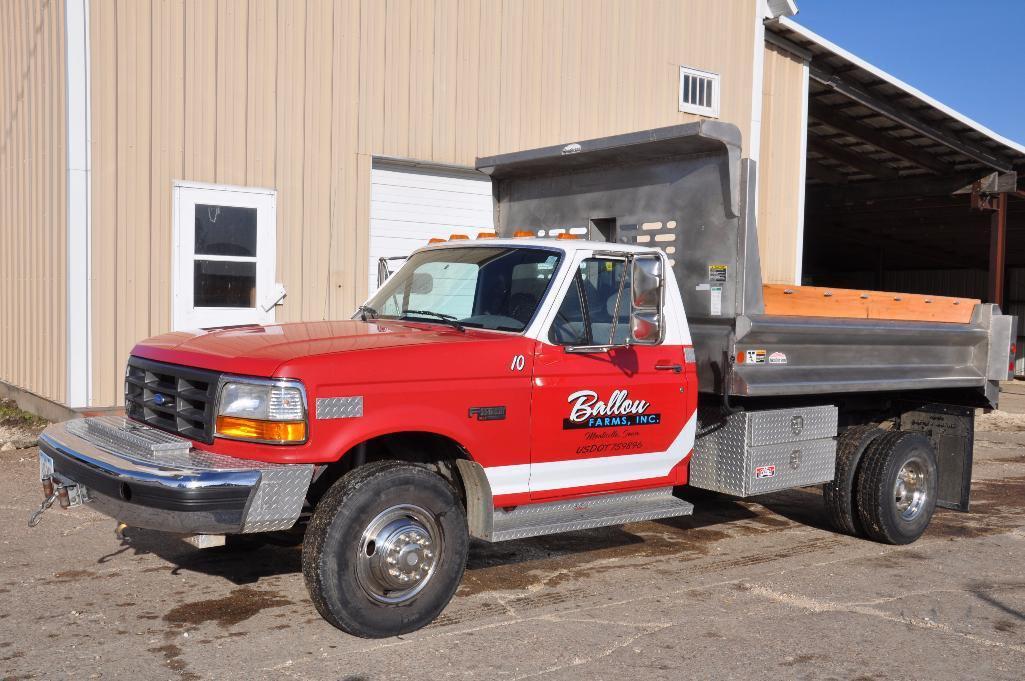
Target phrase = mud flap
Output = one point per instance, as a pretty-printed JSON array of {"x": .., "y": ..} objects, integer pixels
[{"x": 951, "y": 429}]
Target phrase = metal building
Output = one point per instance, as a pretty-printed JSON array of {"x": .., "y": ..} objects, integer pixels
[{"x": 170, "y": 164}]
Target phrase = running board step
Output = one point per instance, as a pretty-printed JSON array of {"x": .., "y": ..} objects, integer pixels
[{"x": 533, "y": 520}]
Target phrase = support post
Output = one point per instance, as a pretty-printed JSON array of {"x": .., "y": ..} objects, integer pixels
[{"x": 998, "y": 250}]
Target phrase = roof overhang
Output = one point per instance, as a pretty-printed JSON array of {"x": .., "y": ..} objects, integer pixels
[{"x": 866, "y": 125}]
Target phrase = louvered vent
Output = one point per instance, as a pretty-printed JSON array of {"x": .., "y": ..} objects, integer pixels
[{"x": 699, "y": 92}]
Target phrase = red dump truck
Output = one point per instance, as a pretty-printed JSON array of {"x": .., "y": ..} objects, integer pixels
[{"x": 535, "y": 383}]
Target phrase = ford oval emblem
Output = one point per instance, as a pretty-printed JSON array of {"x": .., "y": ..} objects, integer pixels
[{"x": 161, "y": 400}]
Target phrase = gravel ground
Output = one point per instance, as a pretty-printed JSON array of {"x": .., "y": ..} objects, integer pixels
[
  {"x": 739, "y": 590},
  {"x": 17, "y": 428}
]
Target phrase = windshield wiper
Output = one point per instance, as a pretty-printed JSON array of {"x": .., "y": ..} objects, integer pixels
[
  {"x": 366, "y": 311},
  {"x": 447, "y": 318}
]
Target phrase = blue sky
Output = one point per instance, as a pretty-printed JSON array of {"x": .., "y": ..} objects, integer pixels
[{"x": 967, "y": 55}]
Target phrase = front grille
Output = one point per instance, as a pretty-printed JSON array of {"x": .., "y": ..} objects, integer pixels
[{"x": 174, "y": 398}]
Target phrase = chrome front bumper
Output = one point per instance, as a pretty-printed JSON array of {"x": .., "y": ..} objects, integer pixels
[{"x": 148, "y": 478}]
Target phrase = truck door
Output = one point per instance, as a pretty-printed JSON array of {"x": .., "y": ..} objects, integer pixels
[{"x": 605, "y": 420}]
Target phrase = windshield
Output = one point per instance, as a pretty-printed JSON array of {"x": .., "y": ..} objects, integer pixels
[{"x": 496, "y": 288}]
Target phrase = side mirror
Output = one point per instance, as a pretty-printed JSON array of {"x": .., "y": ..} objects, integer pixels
[{"x": 647, "y": 286}]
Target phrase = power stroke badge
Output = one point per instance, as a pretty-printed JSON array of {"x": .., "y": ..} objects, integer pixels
[{"x": 587, "y": 411}]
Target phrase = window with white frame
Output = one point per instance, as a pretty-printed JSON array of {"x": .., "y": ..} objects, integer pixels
[
  {"x": 223, "y": 256},
  {"x": 699, "y": 92}
]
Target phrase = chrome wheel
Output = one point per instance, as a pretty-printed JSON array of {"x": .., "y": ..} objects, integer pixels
[
  {"x": 911, "y": 490},
  {"x": 398, "y": 553}
]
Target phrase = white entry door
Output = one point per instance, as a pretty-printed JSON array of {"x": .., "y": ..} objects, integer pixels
[
  {"x": 224, "y": 244},
  {"x": 410, "y": 205}
]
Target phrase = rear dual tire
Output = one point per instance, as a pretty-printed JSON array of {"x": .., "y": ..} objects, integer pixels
[
  {"x": 885, "y": 485},
  {"x": 896, "y": 489}
]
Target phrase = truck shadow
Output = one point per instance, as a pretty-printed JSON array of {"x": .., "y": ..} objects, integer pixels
[
  {"x": 494, "y": 566},
  {"x": 239, "y": 564}
]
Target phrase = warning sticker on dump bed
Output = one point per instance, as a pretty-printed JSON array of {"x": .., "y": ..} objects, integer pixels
[
  {"x": 718, "y": 273},
  {"x": 715, "y": 305}
]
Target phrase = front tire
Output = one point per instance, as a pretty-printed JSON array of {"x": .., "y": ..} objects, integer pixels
[
  {"x": 385, "y": 550},
  {"x": 897, "y": 486}
]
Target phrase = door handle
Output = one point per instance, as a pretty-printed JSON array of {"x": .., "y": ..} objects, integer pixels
[{"x": 675, "y": 368}]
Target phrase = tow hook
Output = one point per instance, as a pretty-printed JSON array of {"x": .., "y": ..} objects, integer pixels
[
  {"x": 50, "y": 490},
  {"x": 66, "y": 495}
]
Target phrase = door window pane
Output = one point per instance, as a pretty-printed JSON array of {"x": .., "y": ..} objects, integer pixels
[
  {"x": 219, "y": 283},
  {"x": 225, "y": 230},
  {"x": 588, "y": 314}
]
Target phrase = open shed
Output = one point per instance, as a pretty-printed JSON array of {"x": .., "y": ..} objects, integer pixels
[{"x": 902, "y": 192}]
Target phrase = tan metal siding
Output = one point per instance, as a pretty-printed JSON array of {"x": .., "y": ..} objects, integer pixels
[
  {"x": 33, "y": 201},
  {"x": 300, "y": 96},
  {"x": 103, "y": 101},
  {"x": 780, "y": 164}
]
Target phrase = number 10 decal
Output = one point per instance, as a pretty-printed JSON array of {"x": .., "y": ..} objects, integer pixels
[{"x": 518, "y": 363}]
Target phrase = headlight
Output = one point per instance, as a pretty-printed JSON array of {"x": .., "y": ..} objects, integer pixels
[{"x": 265, "y": 411}]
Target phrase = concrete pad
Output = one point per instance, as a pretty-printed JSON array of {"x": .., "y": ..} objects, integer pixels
[{"x": 743, "y": 589}]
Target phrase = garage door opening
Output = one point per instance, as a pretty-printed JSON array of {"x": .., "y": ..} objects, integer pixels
[{"x": 412, "y": 204}]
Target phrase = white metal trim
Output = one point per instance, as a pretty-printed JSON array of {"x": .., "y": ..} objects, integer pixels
[
  {"x": 757, "y": 83},
  {"x": 893, "y": 80},
  {"x": 78, "y": 312},
  {"x": 802, "y": 177},
  {"x": 776, "y": 8}
]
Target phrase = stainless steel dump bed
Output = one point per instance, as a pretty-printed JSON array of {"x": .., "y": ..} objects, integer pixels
[{"x": 685, "y": 189}]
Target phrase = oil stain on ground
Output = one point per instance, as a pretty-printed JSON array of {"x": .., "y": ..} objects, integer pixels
[
  {"x": 172, "y": 660},
  {"x": 239, "y": 605}
]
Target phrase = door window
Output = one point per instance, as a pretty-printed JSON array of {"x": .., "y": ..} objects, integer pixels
[
  {"x": 224, "y": 256},
  {"x": 596, "y": 309}
]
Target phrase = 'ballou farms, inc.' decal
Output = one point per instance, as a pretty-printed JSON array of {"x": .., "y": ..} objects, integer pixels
[{"x": 587, "y": 411}]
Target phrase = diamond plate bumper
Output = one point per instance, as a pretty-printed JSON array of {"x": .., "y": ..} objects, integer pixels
[{"x": 137, "y": 475}]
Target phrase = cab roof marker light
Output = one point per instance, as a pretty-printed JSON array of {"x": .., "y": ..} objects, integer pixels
[
  {"x": 567, "y": 235},
  {"x": 436, "y": 240},
  {"x": 521, "y": 233},
  {"x": 458, "y": 237},
  {"x": 487, "y": 235}
]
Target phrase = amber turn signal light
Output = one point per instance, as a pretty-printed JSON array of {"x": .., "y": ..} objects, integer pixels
[{"x": 267, "y": 431}]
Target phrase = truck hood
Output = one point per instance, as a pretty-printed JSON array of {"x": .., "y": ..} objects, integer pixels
[{"x": 261, "y": 350}]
